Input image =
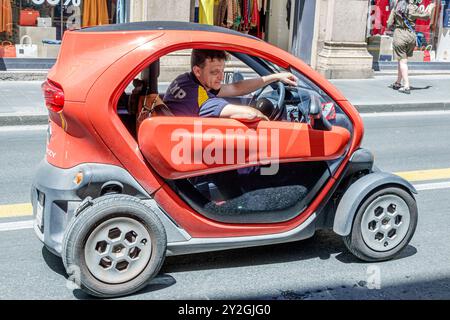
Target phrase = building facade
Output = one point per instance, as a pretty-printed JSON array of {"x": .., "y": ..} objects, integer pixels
[{"x": 339, "y": 38}]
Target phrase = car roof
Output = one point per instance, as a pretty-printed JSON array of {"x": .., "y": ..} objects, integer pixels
[{"x": 163, "y": 25}]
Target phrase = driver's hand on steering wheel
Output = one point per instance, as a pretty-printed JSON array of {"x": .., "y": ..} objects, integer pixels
[
  {"x": 285, "y": 77},
  {"x": 259, "y": 115}
]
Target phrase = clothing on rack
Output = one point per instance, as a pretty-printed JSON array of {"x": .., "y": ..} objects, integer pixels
[
  {"x": 247, "y": 16},
  {"x": 254, "y": 22},
  {"x": 6, "y": 24},
  {"x": 424, "y": 26},
  {"x": 216, "y": 12},
  {"x": 121, "y": 13},
  {"x": 382, "y": 16},
  {"x": 262, "y": 20},
  {"x": 95, "y": 13},
  {"x": 206, "y": 12}
]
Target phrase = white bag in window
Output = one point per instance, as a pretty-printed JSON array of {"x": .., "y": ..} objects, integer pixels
[
  {"x": 44, "y": 22},
  {"x": 28, "y": 50}
]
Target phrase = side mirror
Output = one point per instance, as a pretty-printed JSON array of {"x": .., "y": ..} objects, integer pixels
[
  {"x": 315, "y": 107},
  {"x": 315, "y": 112}
]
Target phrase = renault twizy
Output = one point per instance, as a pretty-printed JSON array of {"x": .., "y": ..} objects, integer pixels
[{"x": 113, "y": 198}]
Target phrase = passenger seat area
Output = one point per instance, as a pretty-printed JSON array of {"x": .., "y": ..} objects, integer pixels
[{"x": 141, "y": 100}]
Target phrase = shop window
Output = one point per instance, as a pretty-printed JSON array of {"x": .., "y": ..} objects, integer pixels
[
  {"x": 246, "y": 16},
  {"x": 34, "y": 28},
  {"x": 380, "y": 37}
]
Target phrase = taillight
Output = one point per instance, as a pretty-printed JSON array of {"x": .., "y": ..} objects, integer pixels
[{"x": 54, "y": 96}]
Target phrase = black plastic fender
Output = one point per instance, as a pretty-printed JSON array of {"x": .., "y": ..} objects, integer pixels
[{"x": 358, "y": 191}]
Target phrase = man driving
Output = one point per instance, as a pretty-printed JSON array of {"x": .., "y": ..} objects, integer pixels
[{"x": 200, "y": 92}]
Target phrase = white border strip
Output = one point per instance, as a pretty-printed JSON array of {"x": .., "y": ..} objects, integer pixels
[
  {"x": 432, "y": 186},
  {"x": 17, "y": 225},
  {"x": 23, "y": 128},
  {"x": 406, "y": 114}
]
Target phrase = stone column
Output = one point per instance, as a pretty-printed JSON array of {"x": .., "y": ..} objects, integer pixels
[
  {"x": 342, "y": 40},
  {"x": 174, "y": 63}
]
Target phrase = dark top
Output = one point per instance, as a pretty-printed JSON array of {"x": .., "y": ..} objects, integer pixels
[
  {"x": 187, "y": 97},
  {"x": 413, "y": 13}
]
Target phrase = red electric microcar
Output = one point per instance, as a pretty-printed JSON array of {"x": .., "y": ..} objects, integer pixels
[{"x": 118, "y": 192}]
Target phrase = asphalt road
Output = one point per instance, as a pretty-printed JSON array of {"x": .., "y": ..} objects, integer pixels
[{"x": 317, "y": 268}]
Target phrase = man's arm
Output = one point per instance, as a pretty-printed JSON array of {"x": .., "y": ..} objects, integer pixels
[
  {"x": 218, "y": 107},
  {"x": 245, "y": 87},
  {"x": 242, "y": 112}
]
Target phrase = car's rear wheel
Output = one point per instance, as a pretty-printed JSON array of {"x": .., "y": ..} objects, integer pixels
[
  {"x": 384, "y": 224},
  {"x": 114, "y": 247}
]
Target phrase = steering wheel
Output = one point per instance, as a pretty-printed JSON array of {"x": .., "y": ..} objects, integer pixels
[{"x": 269, "y": 106}]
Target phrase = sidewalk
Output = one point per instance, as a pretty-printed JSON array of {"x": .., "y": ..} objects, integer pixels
[
  {"x": 373, "y": 95},
  {"x": 22, "y": 103}
]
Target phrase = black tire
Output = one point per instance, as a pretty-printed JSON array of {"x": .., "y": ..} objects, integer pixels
[
  {"x": 102, "y": 210},
  {"x": 355, "y": 242}
]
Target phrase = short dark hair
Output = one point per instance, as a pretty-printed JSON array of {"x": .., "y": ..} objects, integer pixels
[{"x": 199, "y": 56}]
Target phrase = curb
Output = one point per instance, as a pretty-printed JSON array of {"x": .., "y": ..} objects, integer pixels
[
  {"x": 402, "y": 107},
  {"x": 23, "y": 120},
  {"x": 42, "y": 119},
  {"x": 23, "y": 76}
]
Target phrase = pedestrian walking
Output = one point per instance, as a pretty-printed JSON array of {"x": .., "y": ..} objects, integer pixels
[{"x": 403, "y": 19}]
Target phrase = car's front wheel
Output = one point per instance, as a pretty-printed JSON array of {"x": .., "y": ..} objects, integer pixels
[
  {"x": 114, "y": 247},
  {"x": 384, "y": 224}
]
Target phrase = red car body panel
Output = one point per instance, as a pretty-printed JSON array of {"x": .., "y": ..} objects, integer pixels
[
  {"x": 269, "y": 141},
  {"x": 89, "y": 129}
]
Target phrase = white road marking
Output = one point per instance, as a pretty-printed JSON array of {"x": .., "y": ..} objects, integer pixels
[
  {"x": 406, "y": 114},
  {"x": 16, "y": 225},
  {"x": 432, "y": 186},
  {"x": 23, "y": 128}
]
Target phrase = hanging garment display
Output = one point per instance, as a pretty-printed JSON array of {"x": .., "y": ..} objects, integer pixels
[
  {"x": 247, "y": 16},
  {"x": 262, "y": 19},
  {"x": 381, "y": 16},
  {"x": 196, "y": 11},
  {"x": 206, "y": 12},
  {"x": 95, "y": 13},
  {"x": 121, "y": 13},
  {"x": 237, "y": 14},
  {"x": 220, "y": 12},
  {"x": 254, "y": 22},
  {"x": 423, "y": 26},
  {"x": 6, "y": 24},
  {"x": 216, "y": 12}
]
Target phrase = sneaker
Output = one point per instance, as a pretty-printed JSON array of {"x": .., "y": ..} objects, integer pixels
[
  {"x": 405, "y": 90},
  {"x": 395, "y": 86}
]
